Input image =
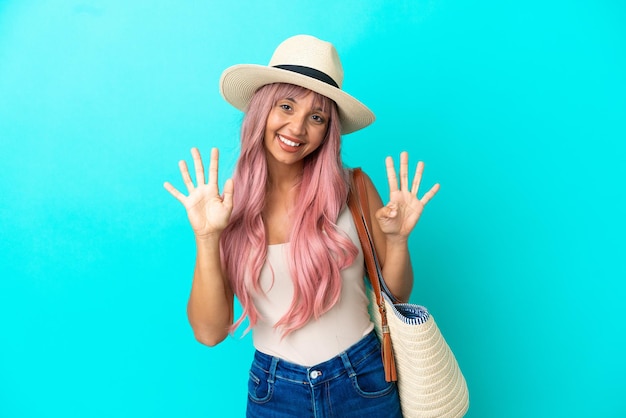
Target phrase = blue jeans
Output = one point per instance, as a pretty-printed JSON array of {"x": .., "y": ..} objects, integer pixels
[{"x": 349, "y": 385}]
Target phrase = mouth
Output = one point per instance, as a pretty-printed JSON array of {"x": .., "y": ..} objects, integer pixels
[{"x": 288, "y": 142}]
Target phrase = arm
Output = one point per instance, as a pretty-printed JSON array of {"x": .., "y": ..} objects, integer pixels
[
  {"x": 393, "y": 223},
  {"x": 210, "y": 306}
]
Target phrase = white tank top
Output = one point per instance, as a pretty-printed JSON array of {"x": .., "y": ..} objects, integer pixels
[{"x": 322, "y": 339}]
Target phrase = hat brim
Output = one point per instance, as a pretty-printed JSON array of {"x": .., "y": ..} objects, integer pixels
[{"x": 239, "y": 83}]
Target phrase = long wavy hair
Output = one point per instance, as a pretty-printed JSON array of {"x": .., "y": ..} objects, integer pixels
[{"x": 318, "y": 250}]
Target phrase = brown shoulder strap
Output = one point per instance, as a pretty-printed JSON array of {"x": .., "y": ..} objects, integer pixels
[
  {"x": 357, "y": 202},
  {"x": 359, "y": 183},
  {"x": 359, "y": 207}
]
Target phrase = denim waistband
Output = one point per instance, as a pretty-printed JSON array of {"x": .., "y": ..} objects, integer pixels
[{"x": 323, "y": 372}]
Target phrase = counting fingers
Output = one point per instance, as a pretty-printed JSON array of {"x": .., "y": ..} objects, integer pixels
[
  {"x": 174, "y": 191},
  {"x": 417, "y": 179},
  {"x": 429, "y": 194},
  {"x": 184, "y": 172},
  {"x": 213, "y": 167},
  {"x": 404, "y": 178},
  {"x": 391, "y": 175},
  {"x": 404, "y": 171},
  {"x": 197, "y": 163}
]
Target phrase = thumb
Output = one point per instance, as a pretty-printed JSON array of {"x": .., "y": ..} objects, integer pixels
[
  {"x": 227, "y": 198},
  {"x": 387, "y": 212}
]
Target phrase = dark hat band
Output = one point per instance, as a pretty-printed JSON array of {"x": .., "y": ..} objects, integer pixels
[{"x": 309, "y": 72}]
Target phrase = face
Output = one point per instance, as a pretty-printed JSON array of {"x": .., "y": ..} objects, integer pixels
[{"x": 295, "y": 128}]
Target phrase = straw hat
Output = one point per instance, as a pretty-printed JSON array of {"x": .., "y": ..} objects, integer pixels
[{"x": 305, "y": 61}]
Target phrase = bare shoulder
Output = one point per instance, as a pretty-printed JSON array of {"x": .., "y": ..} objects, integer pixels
[{"x": 372, "y": 193}]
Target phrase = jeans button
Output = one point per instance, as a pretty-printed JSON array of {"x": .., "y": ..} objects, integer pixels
[{"x": 315, "y": 374}]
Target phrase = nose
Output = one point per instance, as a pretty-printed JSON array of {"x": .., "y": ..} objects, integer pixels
[{"x": 297, "y": 124}]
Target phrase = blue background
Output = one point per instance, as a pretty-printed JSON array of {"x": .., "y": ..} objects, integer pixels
[{"x": 518, "y": 109}]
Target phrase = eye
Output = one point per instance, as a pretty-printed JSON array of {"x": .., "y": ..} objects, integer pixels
[
  {"x": 318, "y": 119},
  {"x": 284, "y": 106}
]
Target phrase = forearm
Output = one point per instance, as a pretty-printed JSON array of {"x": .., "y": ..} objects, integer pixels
[
  {"x": 395, "y": 221},
  {"x": 210, "y": 306},
  {"x": 397, "y": 269}
]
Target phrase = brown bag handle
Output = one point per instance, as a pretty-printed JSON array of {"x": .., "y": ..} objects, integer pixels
[{"x": 359, "y": 206}]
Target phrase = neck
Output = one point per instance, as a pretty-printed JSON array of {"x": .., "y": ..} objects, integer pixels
[
  {"x": 284, "y": 184},
  {"x": 281, "y": 199},
  {"x": 283, "y": 178}
]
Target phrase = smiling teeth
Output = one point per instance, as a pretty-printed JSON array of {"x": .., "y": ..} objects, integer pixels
[{"x": 288, "y": 142}]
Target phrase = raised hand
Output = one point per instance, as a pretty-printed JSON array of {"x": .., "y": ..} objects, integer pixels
[
  {"x": 207, "y": 210},
  {"x": 398, "y": 218}
]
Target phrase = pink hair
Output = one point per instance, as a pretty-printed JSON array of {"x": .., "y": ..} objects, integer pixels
[{"x": 319, "y": 251}]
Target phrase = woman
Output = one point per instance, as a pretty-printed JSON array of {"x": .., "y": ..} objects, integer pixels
[{"x": 281, "y": 238}]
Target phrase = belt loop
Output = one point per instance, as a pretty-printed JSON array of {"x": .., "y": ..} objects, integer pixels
[
  {"x": 272, "y": 370},
  {"x": 347, "y": 364}
]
